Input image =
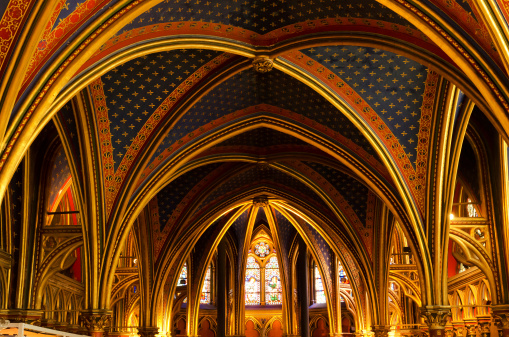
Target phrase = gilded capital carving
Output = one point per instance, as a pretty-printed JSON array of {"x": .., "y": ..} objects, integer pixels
[
  {"x": 263, "y": 64},
  {"x": 449, "y": 333},
  {"x": 96, "y": 322},
  {"x": 458, "y": 330},
  {"x": 503, "y": 320},
  {"x": 436, "y": 319},
  {"x": 484, "y": 325},
  {"x": 472, "y": 330}
]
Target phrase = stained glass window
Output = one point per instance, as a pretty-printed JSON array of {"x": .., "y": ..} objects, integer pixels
[
  {"x": 183, "y": 276},
  {"x": 472, "y": 213},
  {"x": 272, "y": 282},
  {"x": 252, "y": 282},
  {"x": 205, "y": 291},
  {"x": 319, "y": 292},
  {"x": 342, "y": 275},
  {"x": 262, "y": 249}
]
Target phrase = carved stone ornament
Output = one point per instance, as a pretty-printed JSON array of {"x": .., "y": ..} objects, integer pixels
[
  {"x": 500, "y": 326},
  {"x": 485, "y": 326},
  {"x": 458, "y": 331},
  {"x": 472, "y": 330},
  {"x": 436, "y": 319},
  {"x": 262, "y": 64},
  {"x": 96, "y": 322},
  {"x": 261, "y": 201},
  {"x": 449, "y": 333},
  {"x": 503, "y": 319}
]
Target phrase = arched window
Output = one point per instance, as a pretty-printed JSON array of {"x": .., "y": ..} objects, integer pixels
[
  {"x": 252, "y": 282},
  {"x": 205, "y": 291},
  {"x": 319, "y": 292},
  {"x": 183, "y": 276},
  {"x": 273, "y": 288}
]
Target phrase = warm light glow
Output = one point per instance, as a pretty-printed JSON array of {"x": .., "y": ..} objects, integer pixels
[{"x": 451, "y": 216}]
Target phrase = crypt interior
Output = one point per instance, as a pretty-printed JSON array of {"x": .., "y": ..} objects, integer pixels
[{"x": 255, "y": 168}]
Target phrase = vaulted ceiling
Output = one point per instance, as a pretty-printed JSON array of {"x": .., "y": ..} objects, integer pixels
[{"x": 187, "y": 110}]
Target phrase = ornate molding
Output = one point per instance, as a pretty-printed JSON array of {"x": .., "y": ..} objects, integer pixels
[
  {"x": 263, "y": 64},
  {"x": 436, "y": 319}
]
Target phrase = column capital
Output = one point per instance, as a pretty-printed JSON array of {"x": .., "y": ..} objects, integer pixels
[
  {"x": 380, "y": 330},
  {"x": 502, "y": 318},
  {"x": 458, "y": 328},
  {"x": 436, "y": 317},
  {"x": 96, "y": 320},
  {"x": 148, "y": 331}
]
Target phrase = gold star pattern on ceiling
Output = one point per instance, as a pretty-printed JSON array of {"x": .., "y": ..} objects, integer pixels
[
  {"x": 261, "y": 16},
  {"x": 391, "y": 84}
]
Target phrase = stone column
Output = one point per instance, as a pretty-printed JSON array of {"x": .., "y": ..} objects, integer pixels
[
  {"x": 221, "y": 290},
  {"x": 436, "y": 319},
  {"x": 96, "y": 321},
  {"x": 303, "y": 288}
]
